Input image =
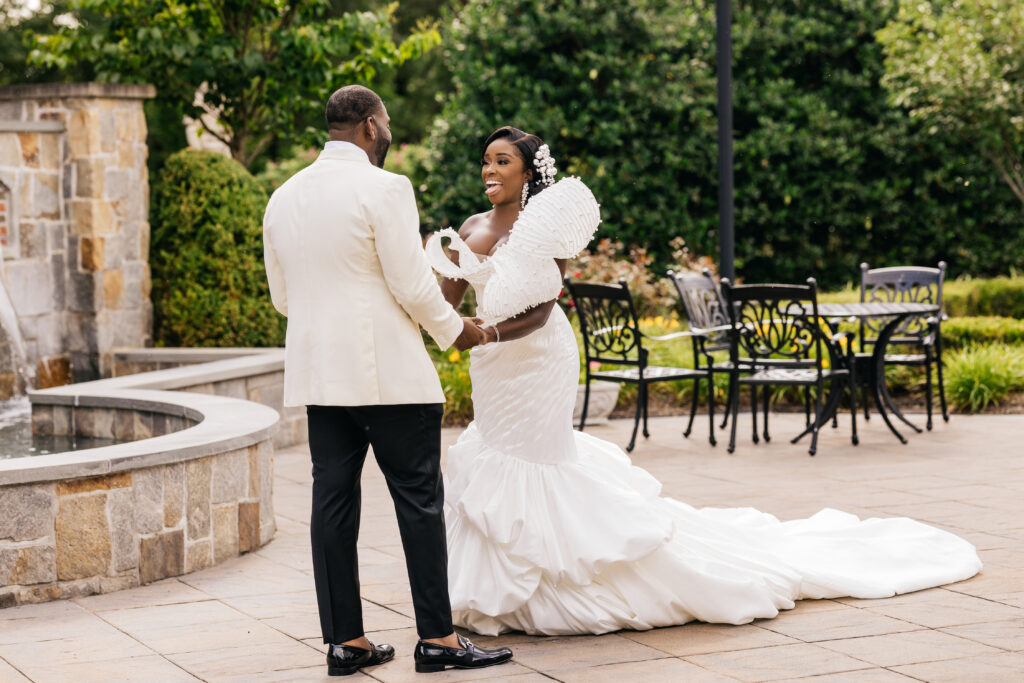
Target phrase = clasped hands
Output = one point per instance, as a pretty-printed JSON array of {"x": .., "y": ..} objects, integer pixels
[{"x": 473, "y": 334}]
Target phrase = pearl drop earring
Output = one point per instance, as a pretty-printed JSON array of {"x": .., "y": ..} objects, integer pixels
[{"x": 526, "y": 193}]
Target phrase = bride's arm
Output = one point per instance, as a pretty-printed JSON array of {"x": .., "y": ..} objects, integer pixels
[
  {"x": 454, "y": 291},
  {"x": 526, "y": 322}
]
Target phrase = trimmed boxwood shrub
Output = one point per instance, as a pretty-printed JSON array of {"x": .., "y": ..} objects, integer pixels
[
  {"x": 1000, "y": 296},
  {"x": 959, "y": 332},
  {"x": 206, "y": 255}
]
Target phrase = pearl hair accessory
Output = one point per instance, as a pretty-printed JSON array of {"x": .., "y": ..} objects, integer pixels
[{"x": 545, "y": 165}]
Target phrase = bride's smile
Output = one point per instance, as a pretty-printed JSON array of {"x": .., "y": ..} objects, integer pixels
[{"x": 503, "y": 172}]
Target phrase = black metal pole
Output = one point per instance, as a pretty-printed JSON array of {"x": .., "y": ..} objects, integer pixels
[{"x": 726, "y": 237}]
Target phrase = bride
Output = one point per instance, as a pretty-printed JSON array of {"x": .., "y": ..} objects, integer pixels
[{"x": 553, "y": 531}]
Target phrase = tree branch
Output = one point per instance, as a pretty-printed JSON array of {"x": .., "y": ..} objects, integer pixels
[{"x": 1011, "y": 176}]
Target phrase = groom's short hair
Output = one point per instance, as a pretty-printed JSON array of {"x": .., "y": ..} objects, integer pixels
[{"x": 352, "y": 104}]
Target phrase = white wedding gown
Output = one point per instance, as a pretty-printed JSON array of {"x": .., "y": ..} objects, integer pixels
[{"x": 553, "y": 531}]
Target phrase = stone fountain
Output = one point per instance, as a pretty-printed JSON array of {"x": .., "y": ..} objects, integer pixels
[{"x": 15, "y": 375}]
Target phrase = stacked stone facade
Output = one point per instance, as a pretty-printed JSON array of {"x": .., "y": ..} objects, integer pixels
[
  {"x": 74, "y": 223},
  {"x": 100, "y": 534}
]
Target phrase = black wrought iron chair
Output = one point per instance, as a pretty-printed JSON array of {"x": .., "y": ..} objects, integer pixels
[
  {"x": 920, "y": 335},
  {"x": 611, "y": 336},
  {"x": 709, "y": 325},
  {"x": 772, "y": 323}
]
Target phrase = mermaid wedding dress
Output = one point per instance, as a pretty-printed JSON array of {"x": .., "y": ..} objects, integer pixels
[{"x": 553, "y": 531}]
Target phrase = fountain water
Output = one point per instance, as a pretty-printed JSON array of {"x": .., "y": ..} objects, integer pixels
[{"x": 15, "y": 372}]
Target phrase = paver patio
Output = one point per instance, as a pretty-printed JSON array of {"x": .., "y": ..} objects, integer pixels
[{"x": 254, "y": 618}]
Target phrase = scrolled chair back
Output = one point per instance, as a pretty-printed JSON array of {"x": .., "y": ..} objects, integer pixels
[
  {"x": 608, "y": 321},
  {"x": 777, "y": 322},
  {"x": 705, "y": 307},
  {"x": 901, "y": 284}
]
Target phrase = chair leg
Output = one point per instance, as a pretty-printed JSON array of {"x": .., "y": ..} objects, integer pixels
[
  {"x": 835, "y": 416},
  {"x": 938, "y": 371},
  {"x": 766, "y": 398},
  {"x": 733, "y": 407},
  {"x": 646, "y": 433},
  {"x": 753, "y": 412},
  {"x": 711, "y": 406},
  {"x": 728, "y": 402},
  {"x": 853, "y": 408},
  {"x": 693, "y": 408},
  {"x": 636, "y": 418},
  {"x": 817, "y": 412},
  {"x": 864, "y": 400},
  {"x": 928, "y": 389},
  {"x": 586, "y": 404},
  {"x": 807, "y": 407}
]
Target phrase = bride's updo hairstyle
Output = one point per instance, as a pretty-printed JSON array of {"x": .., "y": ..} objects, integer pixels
[{"x": 527, "y": 145}]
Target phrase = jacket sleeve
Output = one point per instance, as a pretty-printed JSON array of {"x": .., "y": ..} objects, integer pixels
[
  {"x": 275, "y": 276},
  {"x": 404, "y": 265}
]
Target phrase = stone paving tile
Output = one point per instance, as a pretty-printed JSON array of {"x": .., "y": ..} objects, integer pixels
[
  {"x": 94, "y": 645},
  {"x": 668, "y": 670},
  {"x": 696, "y": 638},
  {"x": 244, "y": 661},
  {"x": 303, "y": 674},
  {"x": 263, "y": 603},
  {"x": 1008, "y": 635},
  {"x": 193, "y": 627},
  {"x": 248, "y": 575},
  {"x": 48, "y": 621},
  {"x": 994, "y": 581},
  {"x": 849, "y": 622},
  {"x": 863, "y": 676},
  {"x": 402, "y": 670},
  {"x": 949, "y": 609},
  {"x": 989, "y": 668},
  {"x": 275, "y": 604},
  {"x": 386, "y": 593},
  {"x": 782, "y": 661},
  {"x": 167, "y": 592},
  {"x": 908, "y": 648},
  {"x": 556, "y": 654},
  {"x": 132, "y": 670},
  {"x": 8, "y": 674}
]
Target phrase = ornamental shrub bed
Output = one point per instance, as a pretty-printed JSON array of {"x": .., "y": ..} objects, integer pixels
[{"x": 206, "y": 255}]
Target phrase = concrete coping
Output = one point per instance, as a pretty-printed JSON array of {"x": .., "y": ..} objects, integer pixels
[
  {"x": 45, "y": 91},
  {"x": 224, "y": 424},
  {"x": 32, "y": 127}
]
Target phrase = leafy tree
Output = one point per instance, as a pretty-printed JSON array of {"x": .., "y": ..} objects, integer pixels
[
  {"x": 17, "y": 23},
  {"x": 828, "y": 172},
  {"x": 259, "y": 64},
  {"x": 960, "y": 67},
  {"x": 621, "y": 91}
]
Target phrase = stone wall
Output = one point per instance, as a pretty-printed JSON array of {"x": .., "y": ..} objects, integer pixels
[
  {"x": 75, "y": 225},
  {"x": 101, "y": 534}
]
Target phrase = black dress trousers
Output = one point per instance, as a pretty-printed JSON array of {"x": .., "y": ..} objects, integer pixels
[{"x": 406, "y": 441}]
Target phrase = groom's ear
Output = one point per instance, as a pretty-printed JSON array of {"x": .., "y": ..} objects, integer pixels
[{"x": 370, "y": 128}]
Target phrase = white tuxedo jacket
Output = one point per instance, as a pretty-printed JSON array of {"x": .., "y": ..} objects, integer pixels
[{"x": 346, "y": 265}]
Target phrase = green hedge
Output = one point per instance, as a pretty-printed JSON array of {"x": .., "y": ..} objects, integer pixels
[
  {"x": 960, "y": 332},
  {"x": 206, "y": 255},
  {"x": 828, "y": 173},
  {"x": 1001, "y": 296}
]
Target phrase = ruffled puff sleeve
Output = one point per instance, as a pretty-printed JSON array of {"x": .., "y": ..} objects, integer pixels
[{"x": 557, "y": 223}]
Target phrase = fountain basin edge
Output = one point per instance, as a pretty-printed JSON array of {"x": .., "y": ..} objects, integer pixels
[{"x": 197, "y": 492}]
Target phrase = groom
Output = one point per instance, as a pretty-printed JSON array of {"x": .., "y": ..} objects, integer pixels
[{"x": 346, "y": 265}]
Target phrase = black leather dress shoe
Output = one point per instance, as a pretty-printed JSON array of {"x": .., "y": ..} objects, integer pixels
[
  {"x": 343, "y": 660},
  {"x": 431, "y": 657}
]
